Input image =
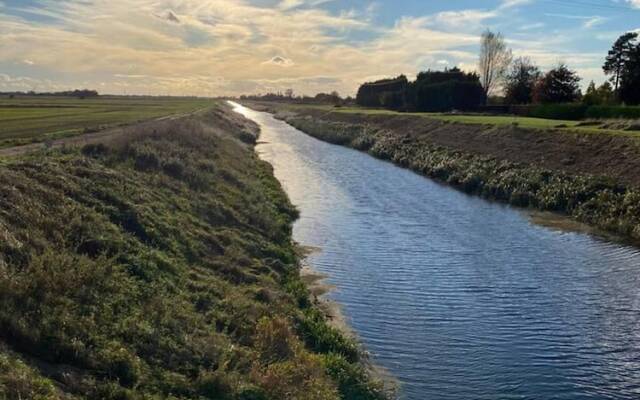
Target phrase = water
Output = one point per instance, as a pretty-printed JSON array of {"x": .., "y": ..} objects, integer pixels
[{"x": 458, "y": 297}]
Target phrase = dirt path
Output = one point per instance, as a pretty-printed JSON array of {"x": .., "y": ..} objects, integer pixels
[{"x": 83, "y": 139}]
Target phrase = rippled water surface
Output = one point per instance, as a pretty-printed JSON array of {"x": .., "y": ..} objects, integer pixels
[{"x": 458, "y": 297}]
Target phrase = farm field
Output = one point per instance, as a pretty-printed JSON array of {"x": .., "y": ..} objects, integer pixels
[
  {"x": 25, "y": 120},
  {"x": 496, "y": 120}
]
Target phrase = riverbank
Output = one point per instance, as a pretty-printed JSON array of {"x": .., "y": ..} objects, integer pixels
[
  {"x": 319, "y": 290},
  {"x": 591, "y": 178},
  {"x": 160, "y": 264}
]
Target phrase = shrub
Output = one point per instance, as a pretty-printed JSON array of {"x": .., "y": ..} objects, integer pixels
[
  {"x": 121, "y": 365},
  {"x": 322, "y": 338},
  {"x": 613, "y": 112},
  {"x": 274, "y": 340},
  {"x": 95, "y": 150},
  {"x": 173, "y": 168},
  {"x": 353, "y": 381},
  {"x": 215, "y": 385},
  {"x": 146, "y": 161},
  {"x": 559, "y": 111},
  {"x": 301, "y": 378},
  {"x": 19, "y": 381}
]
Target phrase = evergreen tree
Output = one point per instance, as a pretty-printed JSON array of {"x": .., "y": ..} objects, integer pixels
[
  {"x": 629, "y": 91},
  {"x": 619, "y": 56},
  {"x": 560, "y": 85},
  {"x": 599, "y": 96}
]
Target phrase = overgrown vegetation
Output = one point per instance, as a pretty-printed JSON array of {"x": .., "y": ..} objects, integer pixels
[
  {"x": 598, "y": 201},
  {"x": 160, "y": 266},
  {"x": 578, "y": 111}
]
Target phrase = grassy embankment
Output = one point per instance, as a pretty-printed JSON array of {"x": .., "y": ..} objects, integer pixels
[
  {"x": 31, "y": 119},
  {"x": 493, "y": 120},
  {"x": 596, "y": 200},
  {"x": 160, "y": 265}
]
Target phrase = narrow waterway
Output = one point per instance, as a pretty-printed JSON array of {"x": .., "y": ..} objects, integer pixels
[{"x": 461, "y": 298}]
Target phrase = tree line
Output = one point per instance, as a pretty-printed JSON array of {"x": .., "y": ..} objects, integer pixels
[
  {"x": 80, "y": 93},
  {"x": 520, "y": 80},
  {"x": 431, "y": 91},
  {"x": 288, "y": 96},
  {"x": 525, "y": 83}
]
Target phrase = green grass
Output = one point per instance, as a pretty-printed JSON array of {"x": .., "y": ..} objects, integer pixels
[
  {"x": 565, "y": 126},
  {"x": 29, "y": 119}
]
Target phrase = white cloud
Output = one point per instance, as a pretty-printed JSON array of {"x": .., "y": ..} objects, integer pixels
[
  {"x": 291, "y": 4},
  {"x": 514, "y": 3},
  {"x": 464, "y": 18},
  {"x": 169, "y": 15},
  {"x": 232, "y": 47},
  {"x": 594, "y": 21},
  {"x": 634, "y": 3},
  {"x": 535, "y": 25},
  {"x": 279, "y": 61}
]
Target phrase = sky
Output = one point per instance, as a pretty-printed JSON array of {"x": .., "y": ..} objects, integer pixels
[{"x": 233, "y": 47}]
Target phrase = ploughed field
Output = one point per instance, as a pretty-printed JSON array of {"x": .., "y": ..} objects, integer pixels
[{"x": 29, "y": 119}]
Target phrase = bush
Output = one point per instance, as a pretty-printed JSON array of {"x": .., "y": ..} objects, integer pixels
[
  {"x": 18, "y": 381},
  {"x": 301, "y": 378},
  {"x": 558, "y": 111},
  {"x": 575, "y": 111},
  {"x": 353, "y": 382},
  {"x": 322, "y": 338},
  {"x": 274, "y": 340},
  {"x": 613, "y": 112},
  {"x": 147, "y": 161}
]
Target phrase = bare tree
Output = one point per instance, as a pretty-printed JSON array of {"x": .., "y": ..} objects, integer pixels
[{"x": 495, "y": 59}]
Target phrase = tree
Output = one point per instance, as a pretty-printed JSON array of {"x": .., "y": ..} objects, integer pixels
[
  {"x": 495, "y": 59},
  {"x": 372, "y": 94},
  {"x": 520, "y": 81},
  {"x": 619, "y": 56},
  {"x": 629, "y": 91},
  {"x": 560, "y": 85},
  {"x": 599, "y": 96},
  {"x": 288, "y": 93},
  {"x": 451, "y": 89}
]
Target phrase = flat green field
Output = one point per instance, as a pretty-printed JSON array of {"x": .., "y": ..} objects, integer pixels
[
  {"x": 32, "y": 119},
  {"x": 497, "y": 120}
]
